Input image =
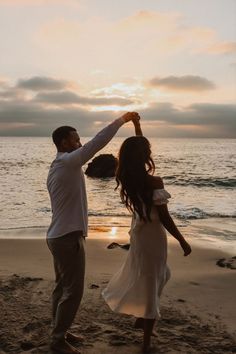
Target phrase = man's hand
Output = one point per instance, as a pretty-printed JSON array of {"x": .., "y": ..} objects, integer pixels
[{"x": 134, "y": 116}]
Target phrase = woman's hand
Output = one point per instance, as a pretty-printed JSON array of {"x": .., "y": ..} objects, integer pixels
[
  {"x": 137, "y": 126},
  {"x": 186, "y": 247},
  {"x": 136, "y": 119}
]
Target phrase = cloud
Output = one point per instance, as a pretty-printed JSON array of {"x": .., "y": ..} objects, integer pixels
[
  {"x": 130, "y": 88},
  {"x": 36, "y": 107},
  {"x": 50, "y": 91},
  {"x": 149, "y": 20},
  {"x": 145, "y": 30},
  {"x": 141, "y": 36},
  {"x": 202, "y": 120},
  {"x": 209, "y": 113},
  {"x": 183, "y": 83},
  {"x": 162, "y": 120},
  {"x": 39, "y": 83},
  {"x": 68, "y": 97},
  {"x": 127, "y": 43},
  {"x": 194, "y": 114},
  {"x": 24, "y": 119},
  {"x": 11, "y": 93},
  {"x": 221, "y": 48},
  {"x": 135, "y": 45}
]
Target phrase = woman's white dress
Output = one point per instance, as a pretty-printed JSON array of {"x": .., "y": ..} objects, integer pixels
[{"x": 136, "y": 288}]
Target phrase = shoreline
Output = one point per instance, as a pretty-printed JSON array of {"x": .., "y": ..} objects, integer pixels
[{"x": 209, "y": 233}]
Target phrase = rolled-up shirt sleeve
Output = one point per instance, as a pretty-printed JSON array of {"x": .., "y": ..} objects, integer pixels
[{"x": 88, "y": 150}]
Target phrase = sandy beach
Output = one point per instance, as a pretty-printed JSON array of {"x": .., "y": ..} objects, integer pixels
[{"x": 198, "y": 304}]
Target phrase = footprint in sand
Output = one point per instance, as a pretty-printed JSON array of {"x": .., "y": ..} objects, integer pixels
[
  {"x": 194, "y": 283},
  {"x": 32, "y": 326},
  {"x": 117, "y": 340},
  {"x": 27, "y": 345},
  {"x": 91, "y": 329},
  {"x": 94, "y": 286}
]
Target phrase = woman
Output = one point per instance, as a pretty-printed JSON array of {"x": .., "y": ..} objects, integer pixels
[{"x": 136, "y": 288}]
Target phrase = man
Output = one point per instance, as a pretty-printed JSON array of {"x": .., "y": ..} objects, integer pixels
[{"x": 68, "y": 228}]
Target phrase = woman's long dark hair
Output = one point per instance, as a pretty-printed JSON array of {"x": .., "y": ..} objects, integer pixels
[{"x": 134, "y": 165}]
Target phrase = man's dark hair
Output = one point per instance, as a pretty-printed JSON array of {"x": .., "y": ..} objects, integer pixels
[{"x": 61, "y": 133}]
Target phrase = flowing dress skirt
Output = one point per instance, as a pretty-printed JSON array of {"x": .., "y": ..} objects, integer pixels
[{"x": 136, "y": 288}]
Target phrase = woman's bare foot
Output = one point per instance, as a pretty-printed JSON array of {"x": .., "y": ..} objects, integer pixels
[
  {"x": 64, "y": 347},
  {"x": 139, "y": 324}
]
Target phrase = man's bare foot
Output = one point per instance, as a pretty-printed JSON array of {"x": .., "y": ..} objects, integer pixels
[
  {"x": 73, "y": 338},
  {"x": 64, "y": 347},
  {"x": 139, "y": 324}
]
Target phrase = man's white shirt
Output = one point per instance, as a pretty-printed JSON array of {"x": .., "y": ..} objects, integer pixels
[{"x": 66, "y": 184}]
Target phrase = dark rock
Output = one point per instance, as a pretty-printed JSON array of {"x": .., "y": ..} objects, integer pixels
[
  {"x": 102, "y": 166},
  {"x": 227, "y": 263},
  {"x": 220, "y": 262}
]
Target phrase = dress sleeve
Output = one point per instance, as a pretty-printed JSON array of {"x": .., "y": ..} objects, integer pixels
[{"x": 160, "y": 197}]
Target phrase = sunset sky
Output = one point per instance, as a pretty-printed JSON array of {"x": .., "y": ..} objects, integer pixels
[{"x": 83, "y": 62}]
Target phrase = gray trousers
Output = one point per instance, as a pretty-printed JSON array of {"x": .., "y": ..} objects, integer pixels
[{"x": 69, "y": 264}]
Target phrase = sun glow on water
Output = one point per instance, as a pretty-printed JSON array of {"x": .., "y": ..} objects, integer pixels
[{"x": 112, "y": 233}]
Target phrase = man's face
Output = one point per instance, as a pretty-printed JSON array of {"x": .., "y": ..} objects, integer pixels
[{"x": 72, "y": 142}]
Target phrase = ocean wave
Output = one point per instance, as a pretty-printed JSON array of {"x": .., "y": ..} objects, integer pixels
[
  {"x": 183, "y": 214},
  {"x": 201, "y": 182},
  {"x": 196, "y": 213},
  {"x": 24, "y": 227},
  {"x": 108, "y": 213}
]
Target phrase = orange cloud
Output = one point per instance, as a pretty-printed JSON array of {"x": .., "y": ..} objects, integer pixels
[
  {"x": 150, "y": 20},
  {"x": 141, "y": 45},
  {"x": 222, "y": 48},
  {"x": 150, "y": 32}
]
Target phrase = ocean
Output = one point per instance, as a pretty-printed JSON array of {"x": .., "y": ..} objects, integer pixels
[{"x": 198, "y": 173}]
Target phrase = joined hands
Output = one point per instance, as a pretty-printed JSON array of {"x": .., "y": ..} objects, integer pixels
[{"x": 134, "y": 116}]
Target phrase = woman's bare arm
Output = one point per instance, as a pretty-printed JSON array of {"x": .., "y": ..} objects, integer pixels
[
  {"x": 167, "y": 220},
  {"x": 170, "y": 226},
  {"x": 137, "y": 126}
]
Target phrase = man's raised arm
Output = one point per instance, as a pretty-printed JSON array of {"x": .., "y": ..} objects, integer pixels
[{"x": 88, "y": 150}]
